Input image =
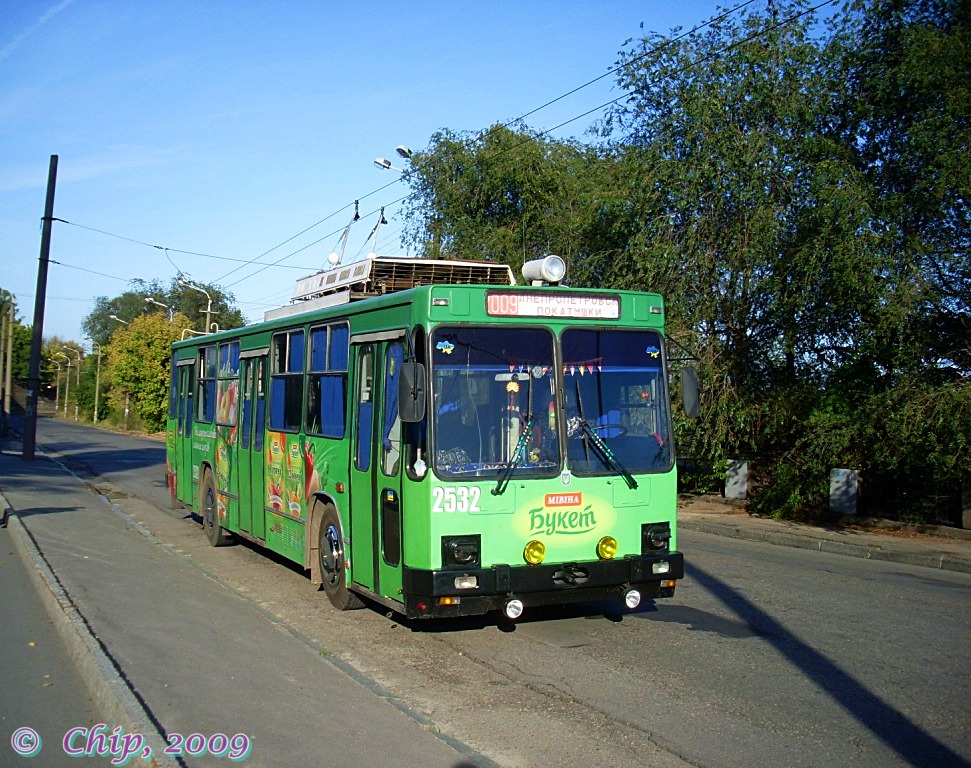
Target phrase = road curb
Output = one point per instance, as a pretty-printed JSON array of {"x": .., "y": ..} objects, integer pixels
[
  {"x": 941, "y": 562},
  {"x": 115, "y": 701}
]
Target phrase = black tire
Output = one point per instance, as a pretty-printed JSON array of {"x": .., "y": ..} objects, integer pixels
[
  {"x": 333, "y": 570},
  {"x": 209, "y": 512}
]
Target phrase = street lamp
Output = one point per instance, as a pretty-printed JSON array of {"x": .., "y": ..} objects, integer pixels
[
  {"x": 118, "y": 319},
  {"x": 57, "y": 387},
  {"x": 151, "y": 300},
  {"x": 386, "y": 165},
  {"x": 403, "y": 152},
  {"x": 187, "y": 284},
  {"x": 97, "y": 377},
  {"x": 67, "y": 381},
  {"x": 78, "y": 374},
  {"x": 77, "y": 382}
]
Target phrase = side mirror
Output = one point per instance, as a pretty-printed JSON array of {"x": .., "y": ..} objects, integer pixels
[
  {"x": 689, "y": 391},
  {"x": 411, "y": 392}
]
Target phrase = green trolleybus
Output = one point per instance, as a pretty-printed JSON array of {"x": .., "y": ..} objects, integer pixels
[{"x": 433, "y": 436}]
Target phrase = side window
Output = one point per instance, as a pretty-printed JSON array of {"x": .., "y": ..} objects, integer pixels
[
  {"x": 206, "y": 401},
  {"x": 415, "y": 433},
  {"x": 365, "y": 407},
  {"x": 173, "y": 385},
  {"x": 391, "y": 424},
  {"x": 327, "y": 381},
  {"x": 227, "y": 384},
  {"x": 260, "y": 423},
  {"x": 247, "y": 402},
  {"x": 286, "y": 382}
]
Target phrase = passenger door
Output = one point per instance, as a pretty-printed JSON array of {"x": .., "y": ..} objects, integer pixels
[
  {"x": 252, "y": 487},
  {"x": 376, "y": 530},
  {"x": 184, "y": 484}
]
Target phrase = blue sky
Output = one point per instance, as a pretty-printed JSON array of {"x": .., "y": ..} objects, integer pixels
[{"x": 225, "y": 128}]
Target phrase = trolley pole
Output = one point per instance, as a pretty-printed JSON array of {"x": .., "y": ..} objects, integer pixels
[{"x": 37, "y": 338}]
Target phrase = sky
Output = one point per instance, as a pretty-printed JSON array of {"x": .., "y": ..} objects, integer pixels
[{"x": 246, "y": 130}]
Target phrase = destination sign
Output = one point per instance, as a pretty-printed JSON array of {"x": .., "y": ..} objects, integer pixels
[{"x": 552, "y": 305}]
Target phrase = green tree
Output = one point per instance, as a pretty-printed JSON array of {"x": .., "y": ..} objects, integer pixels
[
  {"x": 138, "y": 362},
  {"x": 813, "y": 235},
  {"x": 799, "y": 194},
  {"x": 753, "y": 213},
  {"x": 907, "y": 115},
  {"x": 506, "y": 194},
  {"x": 99, "y": 326},
  {"x": 21, "y": 335}
]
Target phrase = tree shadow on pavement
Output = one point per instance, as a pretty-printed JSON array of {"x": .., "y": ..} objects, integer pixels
[{"x": 893, "y": 728}]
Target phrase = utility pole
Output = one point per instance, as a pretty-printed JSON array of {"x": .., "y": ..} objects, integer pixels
[{"x": 40, "y": 298}]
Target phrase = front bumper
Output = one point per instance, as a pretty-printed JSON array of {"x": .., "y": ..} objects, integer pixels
[{"x": 537, "y": 585}]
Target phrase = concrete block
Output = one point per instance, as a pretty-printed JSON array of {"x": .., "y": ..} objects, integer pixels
[
  {"x": 843, "y": 487},
  {"x": 736, "y": 480},
  {"x": 966, "y": 504}
]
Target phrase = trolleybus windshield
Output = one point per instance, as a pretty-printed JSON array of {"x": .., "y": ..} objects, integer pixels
[
  {"x": 613, "y": 382},
  {"x": 494, "y": 408}
]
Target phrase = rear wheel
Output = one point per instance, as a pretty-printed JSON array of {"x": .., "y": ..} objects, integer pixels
[
  {"x": 209, "y": 512},
  {"x": 333, "y": 563}
]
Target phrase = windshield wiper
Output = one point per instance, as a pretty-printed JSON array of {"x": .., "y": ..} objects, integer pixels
[
  {"x": 520, "y": 448},
  {"x": 607, "y": 455},
  {"x": 518, "y": 452}
]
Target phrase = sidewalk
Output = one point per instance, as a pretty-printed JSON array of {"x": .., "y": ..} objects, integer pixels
[
  {"x": 166, "y": 650},
  {"x": 949, "y": 551}
]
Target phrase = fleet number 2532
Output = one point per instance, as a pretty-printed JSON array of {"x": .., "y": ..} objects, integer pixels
[{"x": 456, "y": 498}]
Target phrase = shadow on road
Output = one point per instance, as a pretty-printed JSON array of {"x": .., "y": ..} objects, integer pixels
[{"x": 890, "y": 726}]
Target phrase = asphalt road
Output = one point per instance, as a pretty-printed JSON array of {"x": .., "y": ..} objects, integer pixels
[{"x": 766, "y": 656}]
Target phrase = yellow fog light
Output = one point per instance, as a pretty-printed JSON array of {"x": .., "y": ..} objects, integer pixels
[
  {"x": 535, "y": 552},
  {"x": 607, "y": 548}
]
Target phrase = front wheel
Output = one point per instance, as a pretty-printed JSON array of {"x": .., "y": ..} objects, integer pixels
[
  {"x": 333, "y": 564},
  {"x": 209, "y": 512}
]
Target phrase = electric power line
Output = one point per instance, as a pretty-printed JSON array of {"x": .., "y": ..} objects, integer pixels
[
  {"x": 166, "y": 249},
  {"x": 278, "y": 263},
  {"x": 511, "y": 122}
]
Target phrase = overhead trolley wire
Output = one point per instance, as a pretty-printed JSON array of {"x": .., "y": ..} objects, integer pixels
[
  {"x": 242, "y": 263},
  {"x": 166, "y": 249},
  {"x": 485, "y": 134}
]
